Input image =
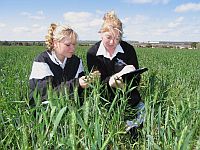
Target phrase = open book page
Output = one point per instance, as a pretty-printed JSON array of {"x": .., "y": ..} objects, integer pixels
[{"x": 123, "y": 73}]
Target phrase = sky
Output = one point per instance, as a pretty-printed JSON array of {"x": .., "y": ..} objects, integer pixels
[{"x": 143, "y": 20}]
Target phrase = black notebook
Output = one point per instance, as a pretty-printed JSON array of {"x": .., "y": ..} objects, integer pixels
[{"x": 135, "y": 72}]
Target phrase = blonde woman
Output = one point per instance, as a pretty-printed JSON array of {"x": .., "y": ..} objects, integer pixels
[
  {"x": 113, "y": 57},
  {"x": 57, "y": 65}
]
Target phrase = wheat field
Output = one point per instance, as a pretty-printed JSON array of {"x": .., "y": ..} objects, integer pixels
[{"x": 170, "y": 90}]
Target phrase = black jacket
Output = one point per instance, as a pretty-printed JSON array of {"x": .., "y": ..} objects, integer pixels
[
  {"x": 46, "y": 70},
  {"x": 109, "y": 67}
]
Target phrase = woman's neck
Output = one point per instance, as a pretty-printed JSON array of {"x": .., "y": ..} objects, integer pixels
[
  {"x": 111, "y": 52},
  {"x": 60, "y": 57}
]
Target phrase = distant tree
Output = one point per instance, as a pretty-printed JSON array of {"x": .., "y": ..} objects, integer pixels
[
  {"x": 20, "y": 44},
  {"x": 198, "y": 46},
  {"x": 6, "y": 43},
  {"x": 27, "y": 44},
  {"x": 84, "y": 44},
  {"x": 149, "y": 45},
  {"x": 17, "y": 43},
  {"x": 164, "y": 46},
  {"x": 194, "y": 44},
  {"x": 13, "y": 43},
  {"x": 40, "y": 44}
]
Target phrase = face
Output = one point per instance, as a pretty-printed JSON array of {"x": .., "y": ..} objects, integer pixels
[
  {"x": 64, "y": 48},
  {"x": 110, "y": 39}
]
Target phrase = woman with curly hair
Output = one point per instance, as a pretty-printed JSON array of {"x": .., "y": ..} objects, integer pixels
[
  {"x": 57, "y": 66},
  {"x": 113, "y": 57}
]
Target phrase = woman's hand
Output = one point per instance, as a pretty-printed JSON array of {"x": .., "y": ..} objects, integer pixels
[
  {"x": 84, "y": 81},
  {"x": 116, "y": 79},
  {"x": 116, "y": 82}
]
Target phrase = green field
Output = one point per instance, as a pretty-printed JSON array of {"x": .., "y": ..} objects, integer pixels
[{"x": 170, "y": 90}]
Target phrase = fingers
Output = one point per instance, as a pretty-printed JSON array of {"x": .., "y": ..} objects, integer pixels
[
  {"x": 119, "y": 79},
  {"x": 95, "y": 74},
  {"x": 82, "y": 82},
  {"x": 86, "y": 80},
  {"x": 119, "y": 83},
  {"x": 116, "y": 81}
]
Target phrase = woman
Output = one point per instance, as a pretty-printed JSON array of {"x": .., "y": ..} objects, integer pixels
[
  {"x": 57, "y": 65},
  {"x": 113, "y": 57}
]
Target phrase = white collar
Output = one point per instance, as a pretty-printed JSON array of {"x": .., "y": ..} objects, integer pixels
[
  {"x": 102, "y": 51},
  {"x": 55, "y": 59}
]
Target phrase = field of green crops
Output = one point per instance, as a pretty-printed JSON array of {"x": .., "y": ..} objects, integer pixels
[{"x": 170, "y": 90}]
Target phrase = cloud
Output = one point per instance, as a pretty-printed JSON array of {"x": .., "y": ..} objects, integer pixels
[
  {"x": 77, "y": 16},
  {"x": 100, "y": 12},
  {"x": 177, "y": 30},
  {"x": 139, "y": 19},
  {"x": 2, "y": 25},
  {"x": 176, "y": 23},
  {"x": 25, "y": 14},
  {"x": 188, "y": 7},
  {"x": 35, "y": 28},
  {"x": 35, "y": 25},
  {"x": 138, "y": 27},
  {"x": 157, "y": 29},
  {"x": 87, "y": 24},
  {"x": 21, "y": 29},
  {"x": 39, "y": 15},
  {"x": 82, "y": 19},
  {"x": 84, "y": 23},
  {"x": 25, "y": 33},
  {"x": 147, "y": 1}
]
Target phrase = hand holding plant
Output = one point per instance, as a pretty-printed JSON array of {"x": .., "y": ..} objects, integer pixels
[{"x": 84, "y": 81}]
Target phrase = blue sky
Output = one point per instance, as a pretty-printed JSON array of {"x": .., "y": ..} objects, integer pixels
[{"x": 143, "y": 20}]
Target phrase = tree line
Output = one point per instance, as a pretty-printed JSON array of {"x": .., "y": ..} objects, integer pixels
[
  {"x": 194, "y": 45},
  {"x": 22, "y": 43}
]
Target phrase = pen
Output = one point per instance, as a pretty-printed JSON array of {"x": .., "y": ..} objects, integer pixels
[{"x": 121, "y": 61}]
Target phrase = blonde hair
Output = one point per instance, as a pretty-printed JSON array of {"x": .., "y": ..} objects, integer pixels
[
  {"x": 111, "y": 22},
  {"x": 58, "y": 32}
]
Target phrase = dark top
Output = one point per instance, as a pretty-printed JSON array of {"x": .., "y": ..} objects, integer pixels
[
  {"x": 109, "y": 67},
  {"x": 46, "y": 70}
]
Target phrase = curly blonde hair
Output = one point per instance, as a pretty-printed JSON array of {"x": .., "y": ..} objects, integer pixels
[
  {"x": 110, "y": 22},
  {"x": 58, "y": 32}
]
